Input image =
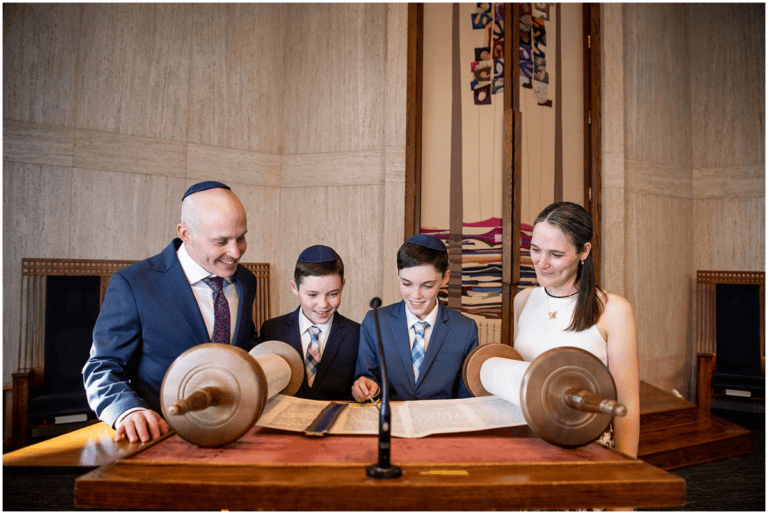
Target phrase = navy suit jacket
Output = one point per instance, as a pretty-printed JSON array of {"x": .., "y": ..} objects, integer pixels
[
  {"x": 453, "y": 337},
  {"x": 333, "y": 380},
  {"x": 148, "y": 318}
]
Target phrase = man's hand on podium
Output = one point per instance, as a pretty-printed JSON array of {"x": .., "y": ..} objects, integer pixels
[{"x": 141, "y": 425}]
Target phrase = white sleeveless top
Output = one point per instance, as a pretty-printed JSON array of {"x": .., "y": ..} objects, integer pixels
[{"x": 537, "y": 333}]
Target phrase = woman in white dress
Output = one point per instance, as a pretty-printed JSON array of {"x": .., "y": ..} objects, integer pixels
[{"x": 568, "y": 308}]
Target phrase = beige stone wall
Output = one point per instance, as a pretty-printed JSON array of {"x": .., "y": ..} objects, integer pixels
[
  {"x": 344, "y": 146},
  {"x": 684, "y": 166},
  {"x": 112, "y": 111}
]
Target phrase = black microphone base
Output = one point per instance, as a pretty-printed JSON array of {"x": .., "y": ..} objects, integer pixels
[{"x": 376, "y": 471}]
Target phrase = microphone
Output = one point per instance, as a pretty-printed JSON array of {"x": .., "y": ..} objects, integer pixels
[{"x": 384, "y": 468}]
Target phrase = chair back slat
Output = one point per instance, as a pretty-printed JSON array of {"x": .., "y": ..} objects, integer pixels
[
  {"x": 34, "y": 273},
  {"x": 706, "y": 282}
]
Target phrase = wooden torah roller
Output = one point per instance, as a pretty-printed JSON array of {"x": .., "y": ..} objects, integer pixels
[
  {"x": 213, "y": 394},
  {"x": 567, "y": 395}
]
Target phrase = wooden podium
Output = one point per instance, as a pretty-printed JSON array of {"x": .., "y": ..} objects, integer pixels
[{"x": 501, "y": 469}]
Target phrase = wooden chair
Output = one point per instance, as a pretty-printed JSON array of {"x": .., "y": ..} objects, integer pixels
[
  {"x": 60, "y": 301},
  {"x": 736, "y": 332}
]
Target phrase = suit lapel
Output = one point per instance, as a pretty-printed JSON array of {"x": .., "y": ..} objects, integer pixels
[
  {"x": 241, "y": 312},
  {"x": 332, "y": 344},
  {"x": 291, "y": 334},
  {"x": 436, "y": 340},
  {"x": 176, "y": 287},
  {"x": 399, "y": 333}
]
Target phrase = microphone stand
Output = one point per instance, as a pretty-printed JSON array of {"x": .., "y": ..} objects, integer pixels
[{"x": 384, "y": 469}]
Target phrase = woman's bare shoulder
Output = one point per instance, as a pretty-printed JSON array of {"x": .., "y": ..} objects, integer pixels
[
  {"x": 616, "y": 307},
  {"x": 522, "y": 297}
]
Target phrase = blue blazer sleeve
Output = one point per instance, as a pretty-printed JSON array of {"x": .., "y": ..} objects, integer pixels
[
  {"x": 367, "y": 354},
  {"x": 116, "y": 341}
]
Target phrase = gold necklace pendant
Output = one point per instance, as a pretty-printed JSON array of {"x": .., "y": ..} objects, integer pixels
[{"x": 553, "y": 314}]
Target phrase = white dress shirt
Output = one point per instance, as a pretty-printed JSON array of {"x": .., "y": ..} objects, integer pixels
[
  {"x": 204, "y": 294},
  {"x": 412, "y": 318},
  {"x": 305, "y": 324}
]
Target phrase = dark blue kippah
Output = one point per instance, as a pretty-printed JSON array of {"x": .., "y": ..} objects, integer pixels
[
  {"x": 202, "y": 186},
  {"x": 318, "y": 253},
  {"x": 428, "y": 241}
]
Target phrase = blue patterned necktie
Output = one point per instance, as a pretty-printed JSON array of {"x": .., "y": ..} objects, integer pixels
[
  {"x": 313, "y": 353},
  {"x": 221, "y": 316},
  {"x": 417, "y": 352}
]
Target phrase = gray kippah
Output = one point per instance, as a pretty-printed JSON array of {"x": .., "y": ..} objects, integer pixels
[
  {"x": 202, "y": 186},
  {"x": 428, "y": 241},
  {"x": 318, "y": 253}
]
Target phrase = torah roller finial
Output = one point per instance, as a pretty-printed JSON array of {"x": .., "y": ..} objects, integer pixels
[
  {"x": 567, "y": 395},
  {"x": 212, "y": 394}
]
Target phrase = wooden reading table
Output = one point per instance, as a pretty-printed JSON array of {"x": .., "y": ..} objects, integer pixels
[{"x": 500, "y": 469}]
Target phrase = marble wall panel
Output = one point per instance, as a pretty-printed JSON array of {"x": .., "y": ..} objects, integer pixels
[
  {"x": 729, "y": 234},
  {"x": 37, "y": 144},
  {"x": 128, "y": 154},
  {"x": 262, "y": 207},
  {"x": 40, "y": 45},
  {"x": 122, "y": 215},
  {"x": 394, "y": 214},
  {"x": 228, "y": 164},
  {"x": 658, "y": 179},
  {"x": 657, "y": 88},
  {"x": 397, "y": 84},
  {"x": 237, "y": 75},
  {"x": 659, "y": 259},
  {"x": 349, "y": 220},
  {"x": 133, "y": 69},
  {"x": 742, "y": 182},
  {"x": 728, "y": 84},
  {"x": 37, "y": 202},
  {"x": 613, "y": 265},
  {"x": 334, "y": 90},
  {"x": 332, "y": 169},
  {"x": 612, "y": 81}
]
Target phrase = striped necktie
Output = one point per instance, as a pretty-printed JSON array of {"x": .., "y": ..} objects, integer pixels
[{"x": 417, "y": 352}]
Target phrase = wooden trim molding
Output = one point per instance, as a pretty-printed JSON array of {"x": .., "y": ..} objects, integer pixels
[
  {"x": 593, "y": 172},
  {"x": 412, "y": 222}
]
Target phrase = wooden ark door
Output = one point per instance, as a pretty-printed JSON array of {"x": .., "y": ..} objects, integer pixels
[{"x": 483, "y": 159}]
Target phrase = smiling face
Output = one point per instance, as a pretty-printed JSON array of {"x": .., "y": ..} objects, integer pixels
[
  {"x": 556, "y": 259},
  {"x": 213, "y": 229},
  {"x": 319, "y": 296},
  {"x": 419, "y": 286}
]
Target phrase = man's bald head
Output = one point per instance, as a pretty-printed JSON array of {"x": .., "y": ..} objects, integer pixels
[
  {"x": 206, "y": 204},
  {"x": 213, "y": 226}
]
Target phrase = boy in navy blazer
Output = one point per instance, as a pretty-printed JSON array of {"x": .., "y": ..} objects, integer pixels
[
  {"x": 425, "y": 342},
  {"x": 326, "y": 340}
]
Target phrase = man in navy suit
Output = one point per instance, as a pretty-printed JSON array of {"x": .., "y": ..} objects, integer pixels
[
  {"x": 156, "y": 309},
  {"x": 425, "y": 343},
  {"x": 327, "y": 340}
]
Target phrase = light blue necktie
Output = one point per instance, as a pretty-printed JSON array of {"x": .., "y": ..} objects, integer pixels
[{"x": 417, "y": 352}]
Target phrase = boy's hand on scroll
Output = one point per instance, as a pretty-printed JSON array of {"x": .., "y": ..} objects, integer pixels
[{"x": 363, "y": 388}]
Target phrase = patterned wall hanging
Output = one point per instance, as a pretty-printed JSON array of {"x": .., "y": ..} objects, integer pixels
[{"x": 488, "y": 67}]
